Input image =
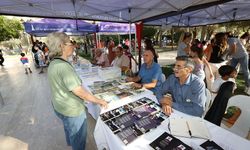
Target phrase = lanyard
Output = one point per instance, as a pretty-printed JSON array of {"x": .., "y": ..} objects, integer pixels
[
  {"x": 66, "y": 62},
  {"x": 62, "y": 60}
]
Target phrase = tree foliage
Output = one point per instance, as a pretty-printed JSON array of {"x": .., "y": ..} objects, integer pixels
[
  {"x": 149, "y": 32},
  {"x": 9, "y": 28},
  {"x": 237, "y": 27}
]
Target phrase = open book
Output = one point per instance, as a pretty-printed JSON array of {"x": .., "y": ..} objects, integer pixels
[{"x": 189, "y": 127}]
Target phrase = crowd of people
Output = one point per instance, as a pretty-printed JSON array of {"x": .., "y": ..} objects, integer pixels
[
  {"x": 68, "y": 92},
  {"x": 41, "y": 52},
  {"x": 185, "y": 90},
  {"x": 215, "y": 62},
  {"x": 199, "y": 66}
]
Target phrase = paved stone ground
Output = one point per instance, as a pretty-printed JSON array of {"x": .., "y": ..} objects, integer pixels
[
  {"x": 167, "y": 58},
  {"x": 27, "y": 113}
]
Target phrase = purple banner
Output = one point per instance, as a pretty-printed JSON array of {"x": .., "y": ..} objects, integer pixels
[{"x": 115, "y": 27}]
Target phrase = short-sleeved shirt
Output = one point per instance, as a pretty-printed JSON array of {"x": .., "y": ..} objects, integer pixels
[
  {"x": 240, "y": 48},
  {"x": 218, "y": 82},
  {"x": 147, "y": 75},
  {"x": 188, "y": 98},
  {"x": 24, "y": 60},
  {"x": 122, "y": 61},
  {"x": 63, "y": 79},
  {"x": 180, "y": 49}
]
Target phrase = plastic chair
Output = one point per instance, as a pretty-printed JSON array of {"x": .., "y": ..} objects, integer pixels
[{"x": 242, "y": 125}]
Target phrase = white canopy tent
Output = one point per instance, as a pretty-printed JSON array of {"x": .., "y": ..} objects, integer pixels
[
  {"x": 124, "y": 11},
  {"x": 227, "y": 12},
  {"x": 103, "y": 10}
]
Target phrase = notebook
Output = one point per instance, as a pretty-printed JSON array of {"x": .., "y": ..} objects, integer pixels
[{"x": 189, "y": 127}]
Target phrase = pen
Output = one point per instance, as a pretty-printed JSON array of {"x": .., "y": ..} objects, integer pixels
[{"x": 189, "y": 131}]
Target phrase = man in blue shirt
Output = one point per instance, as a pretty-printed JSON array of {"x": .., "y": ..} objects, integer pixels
[
  {"x": 186, "y": 89},
  {"x": 150, "y": 74}
]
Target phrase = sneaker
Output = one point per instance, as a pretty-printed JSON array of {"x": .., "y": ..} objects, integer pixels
[
  {"x": 40, "y": 72},
  {"x": 26, "y": 72},
  {"x": 30, "y": 71}
]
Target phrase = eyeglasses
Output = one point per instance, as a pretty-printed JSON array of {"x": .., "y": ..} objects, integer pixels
[
  {"x": 179, "y": 67},
  {"x": 69, "y": 44}
]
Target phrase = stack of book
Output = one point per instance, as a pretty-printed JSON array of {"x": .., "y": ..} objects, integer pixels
[
  {"x": 184, "y": 127},
  {"x": 113, "y": 90}
]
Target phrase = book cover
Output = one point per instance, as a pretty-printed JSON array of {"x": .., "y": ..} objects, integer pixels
[
  {"x": 145, "y": 124},
  {"x": 210, "y": 145},
  {"x": 144, "y": 111},
  {"x": 126, "y": 120},
  {"x": 168, "y": 142},
  {"x": 133, "y": 119},
  {"x": 129, "y": 134}
]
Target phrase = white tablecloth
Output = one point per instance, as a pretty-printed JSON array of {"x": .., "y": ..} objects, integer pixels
[
  {"x": 95, "y": 109},
  {"x": 106, "y": 139}
]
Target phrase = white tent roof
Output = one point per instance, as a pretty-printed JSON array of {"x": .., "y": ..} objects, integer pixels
[
  {"x": 104, "y": 10},
  {"x": 231, "y": 11}
]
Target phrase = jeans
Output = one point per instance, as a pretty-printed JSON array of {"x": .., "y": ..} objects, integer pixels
[
  {"x": 75, "y": 130},
  {"x": 244, "y": 66}
]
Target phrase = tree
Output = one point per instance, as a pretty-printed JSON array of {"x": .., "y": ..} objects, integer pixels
[
  {"x": 9, "y": 28},
  {"x": 237, "y": 27},
  {"x": 149, "y": 32}
]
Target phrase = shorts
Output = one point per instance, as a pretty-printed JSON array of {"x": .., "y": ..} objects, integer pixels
[{"x": 26, "y": 65}]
